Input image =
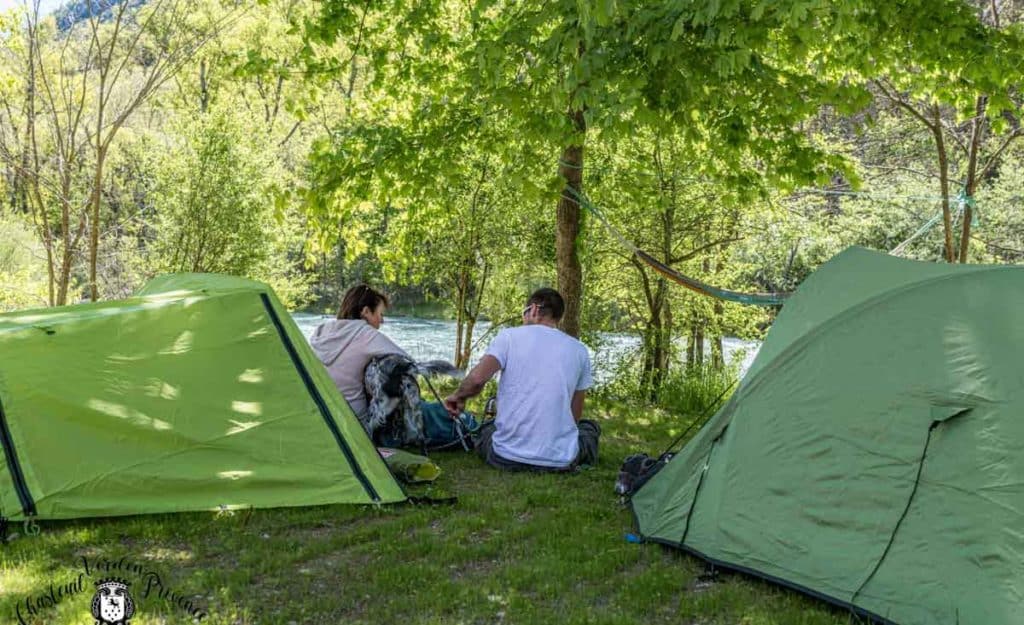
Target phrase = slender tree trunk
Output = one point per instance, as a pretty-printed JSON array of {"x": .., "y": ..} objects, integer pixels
[
  {"x": 460, "y": 313},
  {"x": 940, "y": 149},
  {"x": 695, "y": 340},
  {"x": 698, "y": 342},
  {"x": 717, "y": 348},
  {"x": 833, "y": 203},
  {"x": 467, "y": 344},
  {"x": 662, "y": 339},
  {"x": 972, "y": 173},
  {"x": 204, "y": 92},
  {"x": 94, "y": 226},
  {"x": 31, "y": 158},
  {"x": 651, "y": 373},
  {"x": 718, "y": 312},
  {"x": 472, "y": 315}
]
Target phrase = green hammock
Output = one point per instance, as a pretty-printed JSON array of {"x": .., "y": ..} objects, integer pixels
[{"x": 752, "y": 299}]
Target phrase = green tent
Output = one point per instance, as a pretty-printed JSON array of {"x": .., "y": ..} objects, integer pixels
[
  {"x": 873, "y": 455},
  {"x": 199, "y": 393}
]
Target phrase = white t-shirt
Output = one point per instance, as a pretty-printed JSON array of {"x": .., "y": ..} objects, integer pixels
[{"x": 541, "y": 369}]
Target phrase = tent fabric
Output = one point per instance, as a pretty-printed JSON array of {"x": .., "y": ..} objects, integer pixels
[
  {"x": 198, "y": 393},
  {"x": 873, "y": 455}
]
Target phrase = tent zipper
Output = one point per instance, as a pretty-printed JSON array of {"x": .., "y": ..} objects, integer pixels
[
  {"x": 319, "y": 400},
  {"x": 28, "y": 506}
]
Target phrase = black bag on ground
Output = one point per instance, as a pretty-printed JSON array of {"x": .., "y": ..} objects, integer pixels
[{"x": 636, "y": 470}]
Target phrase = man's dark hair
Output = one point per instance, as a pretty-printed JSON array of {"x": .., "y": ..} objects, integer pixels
[
  {"x": 549, "y": 302},
  {"x": 356, "y": 298}
]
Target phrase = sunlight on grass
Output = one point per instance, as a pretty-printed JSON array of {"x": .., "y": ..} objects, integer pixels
[
  {"x": 19, "y": 579},
  {"x": 164, "y": 554},
  {"x": 517, "y": 548}
]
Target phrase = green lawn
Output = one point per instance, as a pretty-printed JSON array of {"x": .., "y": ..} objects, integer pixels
[{"x": 515, "y": 549}]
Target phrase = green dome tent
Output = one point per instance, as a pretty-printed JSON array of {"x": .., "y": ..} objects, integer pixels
[
  {"x": 198, "y": 393},
  {"x": 873, "y": 455}
]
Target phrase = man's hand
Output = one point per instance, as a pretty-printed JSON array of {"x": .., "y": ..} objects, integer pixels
[
  {"x": 454, "y": 406},
  {"x": 471, "y": 385}
]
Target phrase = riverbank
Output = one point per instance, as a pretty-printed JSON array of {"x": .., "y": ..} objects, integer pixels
[{"x": 427, "y": 339}]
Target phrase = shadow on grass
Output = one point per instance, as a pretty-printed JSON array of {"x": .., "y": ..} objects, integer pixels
[{"x": 517, "y": 548}]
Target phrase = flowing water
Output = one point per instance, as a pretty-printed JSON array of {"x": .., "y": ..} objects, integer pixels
[{"x": 428, "y": 339}]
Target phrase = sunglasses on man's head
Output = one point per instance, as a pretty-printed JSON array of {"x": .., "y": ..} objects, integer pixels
[{"x": 527, "y": 309}]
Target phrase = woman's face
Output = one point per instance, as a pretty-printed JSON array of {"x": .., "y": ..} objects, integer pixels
[{"x": 375, "y": 317}]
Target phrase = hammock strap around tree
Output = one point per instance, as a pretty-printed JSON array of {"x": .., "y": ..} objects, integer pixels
[{"x": 753, "y": 299}]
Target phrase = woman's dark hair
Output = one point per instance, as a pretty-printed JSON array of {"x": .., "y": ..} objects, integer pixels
[
  {"x": 356, "y": 298},
  {"x": 549, "y": 302}
]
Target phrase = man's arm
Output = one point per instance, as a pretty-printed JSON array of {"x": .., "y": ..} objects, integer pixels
[
  {"x": 472, "y": 384},
  {"x": 577, "y": 405}
]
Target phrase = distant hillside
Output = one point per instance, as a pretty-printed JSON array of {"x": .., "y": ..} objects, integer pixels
[{"x": 76, "y": 11}]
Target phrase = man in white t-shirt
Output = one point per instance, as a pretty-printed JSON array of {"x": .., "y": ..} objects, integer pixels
[{"x": 545, "y": 374}]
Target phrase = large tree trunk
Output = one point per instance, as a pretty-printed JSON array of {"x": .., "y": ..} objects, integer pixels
[{"x": 570, "y": 273}]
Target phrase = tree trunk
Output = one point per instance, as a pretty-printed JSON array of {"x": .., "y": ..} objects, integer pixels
[
  {"x": 698, "y": 342},
  {"x": 94, "y": 226},
  {"x": 460, "y": 313},
  {"x": 204, "y": 92},
  {"x": 717, "y": 348},
  {"x": 570, "y": 273},
  {"x": 833, "y": 203},
  {"x": 471, "y": 316},
  {"x": 940, "y": 149},
  {"x": 467, "y": 345},
  {"x": 651, "y": 372},
  {"x": 972, "y": 173},
  {"x": 718, "y": 311},
  {"x": 691, "y": 352}
]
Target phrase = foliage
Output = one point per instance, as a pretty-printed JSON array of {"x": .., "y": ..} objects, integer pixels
[
  {"x": 693, "y": 389},
  {"x": 22, "y": 276},
  {"x": 211, "y": 198},
  {"x": 416, "y": 145}
]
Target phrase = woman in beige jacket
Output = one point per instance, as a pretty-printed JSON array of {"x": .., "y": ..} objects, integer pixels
[{"x": 345, "y": 345}]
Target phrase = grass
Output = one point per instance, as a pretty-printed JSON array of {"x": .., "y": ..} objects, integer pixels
[{"x": 515, "y": 549}]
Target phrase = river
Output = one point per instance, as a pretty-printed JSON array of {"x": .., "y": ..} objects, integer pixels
[{"x": 428, "y": 339}]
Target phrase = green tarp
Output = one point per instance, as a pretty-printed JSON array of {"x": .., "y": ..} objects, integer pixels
[
  {"x": 199, "y": 393},
  {"x": 874, "y": 453}
]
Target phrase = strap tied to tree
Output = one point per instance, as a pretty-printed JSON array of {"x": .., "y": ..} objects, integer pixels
[
  {"x": 752, "y": 299},
  {"x": 967, "y": 201}
]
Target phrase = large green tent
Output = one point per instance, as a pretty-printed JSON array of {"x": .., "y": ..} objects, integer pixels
[
  {"x": 874, "y": 453},
  {"x": 198, "y": 393}
]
